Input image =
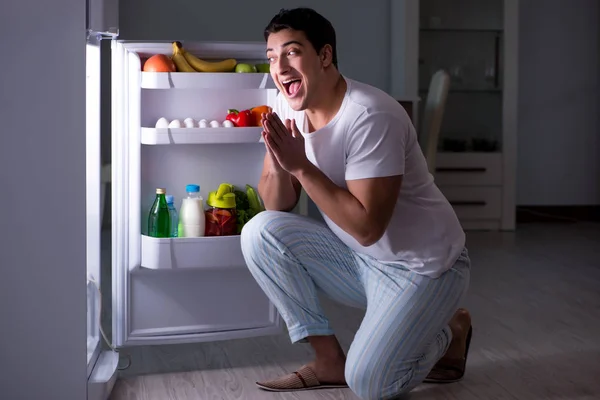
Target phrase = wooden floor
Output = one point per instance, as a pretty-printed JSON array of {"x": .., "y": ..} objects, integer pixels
[{"x": 535, "y": 300}]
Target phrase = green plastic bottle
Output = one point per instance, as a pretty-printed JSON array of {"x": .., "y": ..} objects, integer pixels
[{"x": 159, "y": 221}]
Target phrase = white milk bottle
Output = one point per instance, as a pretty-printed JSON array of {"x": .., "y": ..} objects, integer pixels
[{"x": 191, "y": 213}]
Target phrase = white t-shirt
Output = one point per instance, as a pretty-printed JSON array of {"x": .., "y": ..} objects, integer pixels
[{"x": 372, "y": 136}]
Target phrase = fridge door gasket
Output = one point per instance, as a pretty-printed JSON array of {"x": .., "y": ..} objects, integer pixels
[{"x": 119, "y": 174}]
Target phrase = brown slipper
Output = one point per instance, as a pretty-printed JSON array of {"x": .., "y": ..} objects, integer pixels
[
  {"x": 303, "y": 379},
  {"x": 449, "y": 370}
]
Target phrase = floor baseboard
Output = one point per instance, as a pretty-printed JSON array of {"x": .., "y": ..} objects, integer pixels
[{"x": 566, "y": 214}]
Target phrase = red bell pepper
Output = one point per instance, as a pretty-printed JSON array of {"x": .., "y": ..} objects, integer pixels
[{"x": 242, "y": 118}]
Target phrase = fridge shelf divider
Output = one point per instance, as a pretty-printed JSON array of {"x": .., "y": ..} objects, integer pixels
[
  {"x": 206, "y": 80},
  {"x": 202, "y": 252},
  {"x": 161, "y": 136}
]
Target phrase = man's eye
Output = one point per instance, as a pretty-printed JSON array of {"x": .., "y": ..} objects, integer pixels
[{"x": 292, "y": 52}]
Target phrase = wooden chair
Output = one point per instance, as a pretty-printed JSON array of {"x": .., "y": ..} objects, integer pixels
[{"x": 433, "y": 114}]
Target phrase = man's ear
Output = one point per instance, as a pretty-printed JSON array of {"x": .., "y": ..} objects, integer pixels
[{"x": 326, "y": 55}]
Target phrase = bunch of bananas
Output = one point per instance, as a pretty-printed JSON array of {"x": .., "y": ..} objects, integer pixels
[{"x": 187, "y": 62}]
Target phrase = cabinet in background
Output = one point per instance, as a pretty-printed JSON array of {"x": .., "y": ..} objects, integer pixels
[{"x": 475, "y": 41}]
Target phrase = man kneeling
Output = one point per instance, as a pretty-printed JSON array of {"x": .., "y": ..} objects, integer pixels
[{"x": 391, "y": 243}]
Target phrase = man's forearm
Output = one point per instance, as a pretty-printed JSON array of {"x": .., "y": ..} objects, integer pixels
[
  {"x": 338, "y": 204},
  {"x": 277, "y": 191}
]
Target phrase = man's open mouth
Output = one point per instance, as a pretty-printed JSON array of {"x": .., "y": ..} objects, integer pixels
[{"x": 292, "y": 86}]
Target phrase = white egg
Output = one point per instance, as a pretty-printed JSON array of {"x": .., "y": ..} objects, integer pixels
[
  {"x": 214, "y": 123},
  {"x": 227, "y": 124},
  {"x": 162, "y": 123},
  {"x": 176, "y": 124},
  {"x": 203, "y": 123},
  {"x": 190, "y": 123}
]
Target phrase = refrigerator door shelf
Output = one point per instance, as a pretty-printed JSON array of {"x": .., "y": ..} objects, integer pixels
[
  {"x": 206, "y": 80},
  {"x": 159, "y": 136},
  {"x": 202, "y": 252}
]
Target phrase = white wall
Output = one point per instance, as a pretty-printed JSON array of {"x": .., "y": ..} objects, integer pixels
[
  {"x": 559, "y": 101},
  {"x": 42, "y": 177}
]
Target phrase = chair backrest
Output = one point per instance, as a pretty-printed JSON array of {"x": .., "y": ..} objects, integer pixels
[{"x": 433, "y": 114}]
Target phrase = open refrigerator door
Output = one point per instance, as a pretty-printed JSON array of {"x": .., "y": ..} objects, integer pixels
[
  {"x": 101, "y": 23},
  {"x": 170, "y": 131}
]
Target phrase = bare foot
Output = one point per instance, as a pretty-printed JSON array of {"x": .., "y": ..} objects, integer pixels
[
  {"x": 329, "y": 371},
  {"x": 459, "y": 325}
]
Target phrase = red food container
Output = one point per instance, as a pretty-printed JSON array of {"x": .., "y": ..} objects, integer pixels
[{"x": 220, "y": 216}]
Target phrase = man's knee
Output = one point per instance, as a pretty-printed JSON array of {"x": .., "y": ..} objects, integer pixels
[
  {"x": 370, "y": 379},
  {"x": 261, "y": 223},
  {"x": 268, "y": 224},
  {"x": 264, "y": 232},
  {"x": 253, "y": 231}
]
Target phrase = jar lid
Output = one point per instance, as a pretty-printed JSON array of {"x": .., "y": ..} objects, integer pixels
[{"x": 225, "y": 201}]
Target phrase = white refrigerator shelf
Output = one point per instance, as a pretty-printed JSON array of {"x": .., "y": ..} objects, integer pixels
[
  {"x": 200, "y": 135},
  {"x": 206, "y": 80},
  {"x": 203, "y": 252}
]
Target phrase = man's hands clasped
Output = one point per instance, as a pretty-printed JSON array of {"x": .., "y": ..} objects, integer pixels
[{"x": 284, "y": 143}]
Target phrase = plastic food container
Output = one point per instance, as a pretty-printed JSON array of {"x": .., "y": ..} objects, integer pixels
[{"x": 220, "y": 215}]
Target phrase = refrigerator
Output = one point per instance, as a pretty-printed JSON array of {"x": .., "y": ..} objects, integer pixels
[
  {"x": 171, "y": 290},
  {"x": 176, "y": 290}
]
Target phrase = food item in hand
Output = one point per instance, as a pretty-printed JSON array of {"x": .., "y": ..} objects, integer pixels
[
  {"x": 159, "y": 63},
  {"x": 245, "y": 68},
  {"x": 242, "y": 118},
  {"x": 227, "y": 124},
  {"x": 263, "y": 68},
  {"x": 257, "y": 111},
  {"x": 190, "y": 123},
  {"x": 200, "y": 65},
  {"x": 180, "y": 61},
  {"x": 162, "y": 123},
  {"x": 176, "y": 124}
]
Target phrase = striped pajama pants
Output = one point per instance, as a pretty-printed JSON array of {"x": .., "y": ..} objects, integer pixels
[{"x": 405, "y": 328}]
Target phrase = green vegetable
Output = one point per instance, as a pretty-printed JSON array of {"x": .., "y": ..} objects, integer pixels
[
  {"x": 241, "y": 218},
  {"x": 241, "y": 200},
  {"x": 255, "y": 204},
  {"x": 247, "y": 204}
]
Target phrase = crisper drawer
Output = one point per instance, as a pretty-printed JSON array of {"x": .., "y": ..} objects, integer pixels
[
  {"x": 475, "y": 202},
  {"x": 197, "y": 301},
  {"x": 182, "y": 253},
  {"x": 468, "y": 169}
]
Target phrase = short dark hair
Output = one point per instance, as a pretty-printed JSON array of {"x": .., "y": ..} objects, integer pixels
[{"x": 318, "y": 30}]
